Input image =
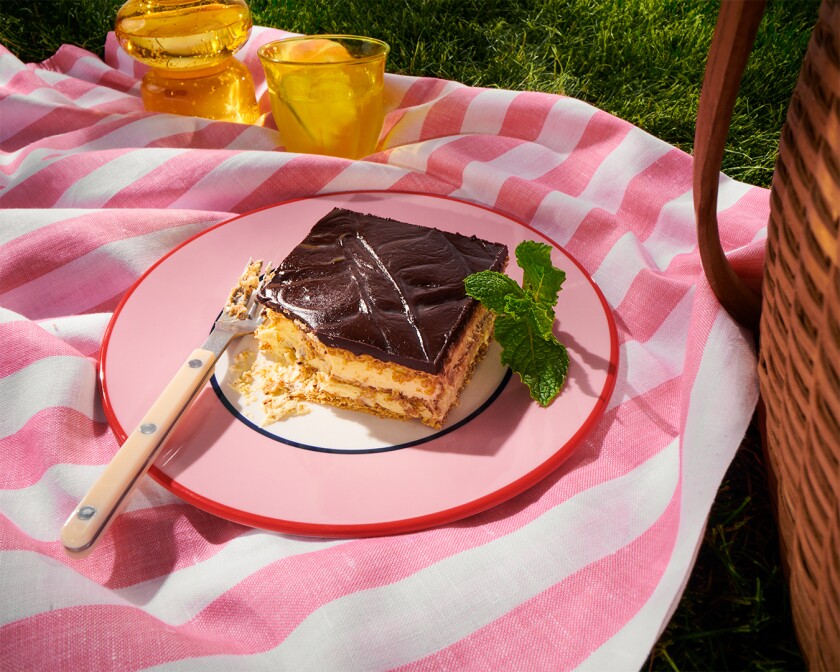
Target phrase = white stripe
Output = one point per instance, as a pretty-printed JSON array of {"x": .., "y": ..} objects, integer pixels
[
  {"x": 396, "y": 86},
  {"x": 384, "y": 627},
  {"x": 82, "y": 332},
  {"x": 99, "y": 186},
  {"x": 40, "y": 509},
  {"x": 46, "y": 383},
  {"x": 98, "y": 276},
  {"x": 18, "y": 114},
  {"x": 721, "y": 404},
  {"x": 44, "y": 96},
  {"x": 100, "y": 96},
  {"x": 486, "y": 112},
  {"x": 415, "y": 156},
  {"x": 361, "y": 175},
  {"x": 407, "y": 130},
  {"x": 173, "y": 598},
  {"x": 232, "y": 180},
  {"x": 527, "y": 161},
  {"x": 559, "y": 215},
  {"x": 89, "y": 69},
  {"x": 7, "y": 315},
  {"x": 138, "y": 132},
  {"x": 16, "y": 222},
  {"x": 10, "y": 66},
  {"x": 565, "y": 124},
  {"x": 645, "y": 366},
  {"x": 605, "y": 190},
  {"x": 627, "y": 258},
  {"x": 675, "y": 232},
  {"x": 257, "y": 138}
]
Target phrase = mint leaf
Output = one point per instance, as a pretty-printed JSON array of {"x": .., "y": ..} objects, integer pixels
[
  {"x": 539, "y": 318},
  {"x": 525, "y": 319},
  {"x": 541, "y": 279},
  {"x": 493, "y": 289},
  {"x": 542, "y": 364}
]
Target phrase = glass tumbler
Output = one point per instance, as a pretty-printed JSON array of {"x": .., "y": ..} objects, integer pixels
[{"x": 326, "y": 92}]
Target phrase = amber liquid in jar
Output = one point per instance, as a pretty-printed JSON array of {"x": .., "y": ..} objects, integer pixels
[{"x": 189, "y": 45}]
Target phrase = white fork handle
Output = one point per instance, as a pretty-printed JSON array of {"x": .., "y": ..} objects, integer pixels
[{"x": 89, "y": 520}]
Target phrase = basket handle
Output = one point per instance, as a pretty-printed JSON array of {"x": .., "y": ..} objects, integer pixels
[{"x": 735, "y": 32}]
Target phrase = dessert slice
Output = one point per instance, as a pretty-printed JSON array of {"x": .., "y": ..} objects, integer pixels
[{"x": 370, "y": 314}]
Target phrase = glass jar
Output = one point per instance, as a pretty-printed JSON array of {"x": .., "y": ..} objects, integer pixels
[{"x": 189, "y": 46}]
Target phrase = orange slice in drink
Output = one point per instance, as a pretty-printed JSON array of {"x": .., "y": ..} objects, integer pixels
[{"x": 316, "y": 51}]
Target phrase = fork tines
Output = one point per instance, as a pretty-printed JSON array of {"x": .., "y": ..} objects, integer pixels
[{"x": 243, "y": 294}]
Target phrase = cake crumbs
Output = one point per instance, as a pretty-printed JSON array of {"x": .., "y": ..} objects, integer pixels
[
  {"x": 252, "y": 380},
  {"x": 247, "y": 285}
]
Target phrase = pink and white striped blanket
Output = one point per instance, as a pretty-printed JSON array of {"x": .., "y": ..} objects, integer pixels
[{"x": 582, "y": 571}]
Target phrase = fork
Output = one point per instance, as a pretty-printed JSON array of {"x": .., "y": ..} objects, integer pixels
[{"x": 98, "y": 508}]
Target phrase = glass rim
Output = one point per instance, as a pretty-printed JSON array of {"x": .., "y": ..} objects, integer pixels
[{"x": 263, "y": 55}]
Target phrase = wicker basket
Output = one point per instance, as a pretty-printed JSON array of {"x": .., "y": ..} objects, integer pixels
[{"x": 799, "y": 351}]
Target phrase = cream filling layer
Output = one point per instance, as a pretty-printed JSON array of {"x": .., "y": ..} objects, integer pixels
[{"x": 292, "y": 364}]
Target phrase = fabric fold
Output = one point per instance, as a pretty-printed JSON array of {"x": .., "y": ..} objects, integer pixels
[{"x": 582, "y": 571}]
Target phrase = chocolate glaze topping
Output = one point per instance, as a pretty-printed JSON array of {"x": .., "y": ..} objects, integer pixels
[{"x": 381, "y": 287}]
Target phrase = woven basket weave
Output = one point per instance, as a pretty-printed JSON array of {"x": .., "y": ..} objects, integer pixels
[
  {"x": 799, "y": 361},
  {"x": 799, "y": 351}
]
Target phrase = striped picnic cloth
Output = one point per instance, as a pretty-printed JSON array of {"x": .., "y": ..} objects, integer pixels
[{"x": 581, "y": 571}]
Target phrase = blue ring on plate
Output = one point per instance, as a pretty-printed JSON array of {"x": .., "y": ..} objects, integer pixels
[{"x": 319, "y": 449}]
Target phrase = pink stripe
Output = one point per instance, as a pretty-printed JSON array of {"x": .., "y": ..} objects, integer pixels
[
  {"x": 23, "y": 83},
  {"x": 303, "y": 175},
  {"x": 25, "y": 343},
  {"x": 449, "y": 161},
  {"x": 264, "y": 624},
  {"x": 705, "y": 311},
  {"x": 107, "y": 306},
  {"x": 33, "y": 449},
  {"x": 214, "y": 136},
  {"x": 157, "y": 189},
  {"x": 638, "y": 321},
  {"x": 25, "y": 258},
  {"x": 69, "y": 140},
  {"x": 601, "y": 598},
  {"x": 748, "y": 263},
  {"x": 421, "y": 92},
  {"x": 51, "y": 182},
  {"x": 647, "y": 193},
  {"x": 526, "y": 115},
  {"x": 60, "y": 120},
  {"x": 74, "y": 88},
  {"x": 139, "y": 640},
  {"x": 68, "y": 56},
  {"x": 421, "y": 183},
  {"x": 521, "y": 197},
  {"x": 200, "y": 536},
  {"x": 602, "y": 135},
  {"x": 737, "y": 232},
  {"x": 447, "y": 115}
]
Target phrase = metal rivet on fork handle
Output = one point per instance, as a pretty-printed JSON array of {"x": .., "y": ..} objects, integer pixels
[
  {"x": 148, "y": 428},
  {"x": 86, "y": 513}
]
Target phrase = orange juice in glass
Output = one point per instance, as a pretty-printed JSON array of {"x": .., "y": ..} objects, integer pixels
[{"x": 326, "y": 92}]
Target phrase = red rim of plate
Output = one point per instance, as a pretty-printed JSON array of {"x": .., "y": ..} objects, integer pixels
[{"x": 400, "y": 526}]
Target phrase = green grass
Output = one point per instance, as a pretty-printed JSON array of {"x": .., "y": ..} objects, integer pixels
[{"x": 643, "y": 61}]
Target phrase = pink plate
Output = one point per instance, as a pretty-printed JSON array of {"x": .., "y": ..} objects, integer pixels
[{"x": 335, "y": 473}]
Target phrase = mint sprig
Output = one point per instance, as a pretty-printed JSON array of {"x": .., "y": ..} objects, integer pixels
[{"x": 525, "y": 319}]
